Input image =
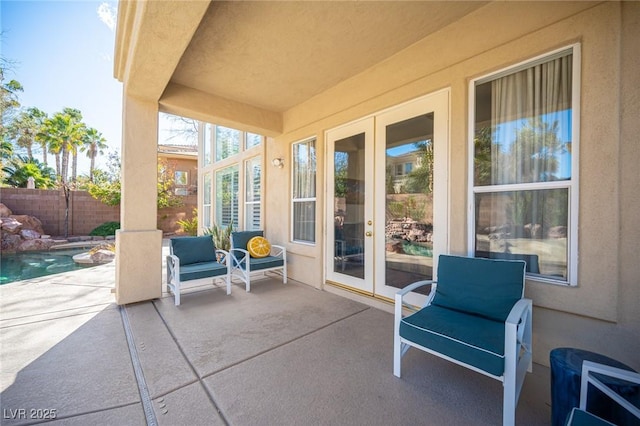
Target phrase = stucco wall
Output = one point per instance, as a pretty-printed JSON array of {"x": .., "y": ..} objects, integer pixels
[{"x": 603, "y": 312}]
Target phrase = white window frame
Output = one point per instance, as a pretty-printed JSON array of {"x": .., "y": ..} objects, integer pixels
[
  {"x": 313, "y": 140},
  {"x": 208, "y": 144},
  {"x": 572, "y": 185},
  {"x": 247, "y": 203}
]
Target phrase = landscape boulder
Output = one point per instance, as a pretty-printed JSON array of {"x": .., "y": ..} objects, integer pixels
[
  {"x": 10, "y": 225},
  {"x": 29, "y": 234},
  {"x": 36, "y": 244},
  {"x": 102, "y": 256},
  {"x": 29, "y": 222},
  {"x": 5, "y": 211}
]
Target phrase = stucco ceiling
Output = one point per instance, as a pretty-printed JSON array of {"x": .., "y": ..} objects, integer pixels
[{"x": 275, "y": 55}]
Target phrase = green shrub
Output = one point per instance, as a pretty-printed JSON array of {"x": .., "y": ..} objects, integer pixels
[
  {"x": 190, "y": 226},
  {"x": 106, "y": 229}
]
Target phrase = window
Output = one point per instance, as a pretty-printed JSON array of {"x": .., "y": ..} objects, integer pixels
[
  {"x": 206, "y": 201},
  {"x": 524, "y": 177},
  {"x": 181, "y": 178},
  {"x": 304, "y": 191},
  {"x": 253, "y": 178},
  {"x": 234, "y": 178},
  {"x": 251, "y": 140},
  {"x": 227, "y": 142},
  {"x": 227, "y": 196},
  {"x": 207, "y": 144}
]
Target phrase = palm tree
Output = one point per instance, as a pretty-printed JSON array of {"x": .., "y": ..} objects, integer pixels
[
  {"x": 63, "y": 132},
  {"x": 24, "y": 129},
  {"x": 8, "y": 97},
  {"x": 93, "y": 144}
]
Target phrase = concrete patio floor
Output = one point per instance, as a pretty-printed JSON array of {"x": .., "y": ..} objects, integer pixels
[{"x": 282, "y": 354}]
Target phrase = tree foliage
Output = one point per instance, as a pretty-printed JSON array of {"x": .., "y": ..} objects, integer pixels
[
  {"x": 20, "y": 168},
  {"x": 106, "y": 187}
]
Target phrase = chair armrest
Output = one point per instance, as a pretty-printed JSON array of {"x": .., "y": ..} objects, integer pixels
[
  {"x": 279, "y": 250},
  {"x": 173, "y": 260},
  {"x": 399, "y": 303},
  {"x": 518, "y": 312},
  {"x": 411, "y": 287},
  {"x": 173, "y": 269},
  {"x": 225, "y": 256},
  {"x": 238, "y": 256}
]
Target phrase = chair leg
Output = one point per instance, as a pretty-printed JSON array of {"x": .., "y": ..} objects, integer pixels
[
  {"x": 397, "y": 356},
  {"x": 509, "y": 403},
  {"x": 176, "y": 292},
  {"x": 397, "y": 343}
]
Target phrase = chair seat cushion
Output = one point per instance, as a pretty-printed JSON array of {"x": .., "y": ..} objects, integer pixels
[
  {"x": 582, "y": 418},
  {"x": 195, "y": 271},
  {"x": 263, "y": 263},
  {"x": 471, "y": 339}
]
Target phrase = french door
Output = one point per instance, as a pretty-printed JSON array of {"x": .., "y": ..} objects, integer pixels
[{"x": 387, "y": 198}]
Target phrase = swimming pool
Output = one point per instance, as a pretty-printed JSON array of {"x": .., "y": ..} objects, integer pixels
[{"x": 34, "y": 264}]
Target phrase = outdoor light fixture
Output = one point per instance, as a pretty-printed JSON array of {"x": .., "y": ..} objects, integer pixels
[{"x": 278, "y": 162}]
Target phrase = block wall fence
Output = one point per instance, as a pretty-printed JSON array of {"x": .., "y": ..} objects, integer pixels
[{"x": 85, "y": 212}]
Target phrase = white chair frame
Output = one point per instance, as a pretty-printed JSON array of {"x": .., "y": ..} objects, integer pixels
[
  {"x": 175, "y": 285},
  {"x": 590, "y": 367},
  {"x": 517, "y": 348},
  {"x": 245, "y": 274}
]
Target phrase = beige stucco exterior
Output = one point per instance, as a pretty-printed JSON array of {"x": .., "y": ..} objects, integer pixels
[{"x": 602, "y": 313}]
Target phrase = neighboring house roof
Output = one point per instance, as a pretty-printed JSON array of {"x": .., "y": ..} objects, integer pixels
[{"x": 178, "y": 151}]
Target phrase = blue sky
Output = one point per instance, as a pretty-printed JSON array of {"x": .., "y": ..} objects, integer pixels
[{"x": 62, "y": 54}]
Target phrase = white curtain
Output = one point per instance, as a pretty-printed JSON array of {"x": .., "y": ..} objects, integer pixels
[
  {"x": 304, "y": 191},
  {"x": 527, "y": 113}
]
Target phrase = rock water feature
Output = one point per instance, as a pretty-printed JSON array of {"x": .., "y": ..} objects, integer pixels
[{"x": 22, "y": 232}]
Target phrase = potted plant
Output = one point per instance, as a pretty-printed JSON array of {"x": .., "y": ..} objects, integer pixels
[{"x": 221, "y": 236}]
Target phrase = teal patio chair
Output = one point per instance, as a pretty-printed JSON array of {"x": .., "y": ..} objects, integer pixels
[
  {"x": 475, "y": 316},
  {"x": 195, "y": 258},
  {"x": 243, "y": 264},
  {"x": 592, "y": 374}
]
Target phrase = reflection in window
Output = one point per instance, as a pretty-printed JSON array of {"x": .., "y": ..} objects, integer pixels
[
  {"x": 227, "y": 142},
  {"x": 206, "y": 201},
  {"x": 522, "y": 174},
  {"x": 409, "y": 201},
  {"x": 181, "y": 178},
  {"x": 524, "y": 225},
  {"x": 227, "y": 196},
  {"x": 207, "y": 144},
  {"x": 252, "y": 197},
  {"x": 304, "y": 191},
  {"x": 251, "y": 140}
]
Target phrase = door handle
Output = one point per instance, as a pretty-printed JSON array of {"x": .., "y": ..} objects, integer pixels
[{"x": 368, "y": 233}]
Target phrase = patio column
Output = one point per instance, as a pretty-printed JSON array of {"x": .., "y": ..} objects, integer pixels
[{"x": 138, "y": 242}]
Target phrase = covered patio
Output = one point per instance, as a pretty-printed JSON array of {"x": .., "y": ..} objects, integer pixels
[
  {"x": 282, "y": 354},
  {"x": 300, "y": 74}
]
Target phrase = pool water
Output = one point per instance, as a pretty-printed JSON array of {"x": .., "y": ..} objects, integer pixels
[
  {"x": 416, "y": 249},
  {"x": 34, "y": 264}
]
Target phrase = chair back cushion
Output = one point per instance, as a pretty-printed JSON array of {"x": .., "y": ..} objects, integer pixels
[
  {"x": 240, "y": 239},
  {"x": 194, "y": 249},
  {"x": 485, "y": 287}
]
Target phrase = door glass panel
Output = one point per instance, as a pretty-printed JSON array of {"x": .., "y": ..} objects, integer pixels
[
  {"x": 349, "y": 207},
  {"x": 409, "y": 201}
]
